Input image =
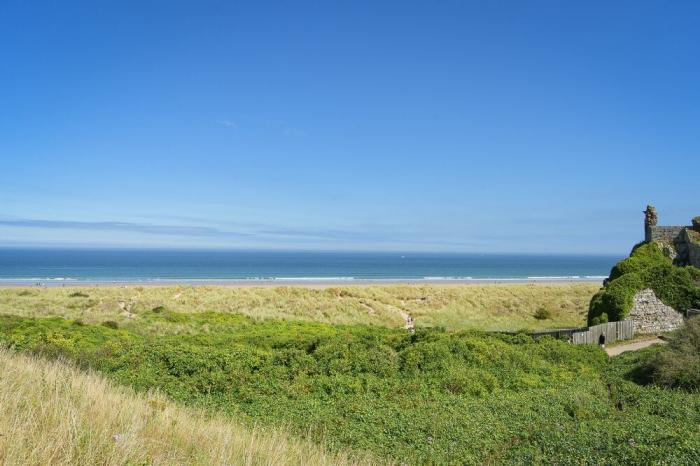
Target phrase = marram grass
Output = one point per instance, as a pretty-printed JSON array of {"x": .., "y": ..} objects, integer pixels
[
  {"x": 53, "y": 413},
  {"x": 481, "y": 307}
]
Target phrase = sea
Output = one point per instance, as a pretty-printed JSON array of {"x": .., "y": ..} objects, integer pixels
[{"x": 76, "y": 266}]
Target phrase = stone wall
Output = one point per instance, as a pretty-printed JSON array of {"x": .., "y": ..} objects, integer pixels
[
  {"x": 694, "y": 254},
  {"x": 667, "y": 234},
  {"x": 650, "y": 315}
]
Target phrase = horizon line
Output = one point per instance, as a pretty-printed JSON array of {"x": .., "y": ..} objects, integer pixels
[{"x": 114, "y": 248}]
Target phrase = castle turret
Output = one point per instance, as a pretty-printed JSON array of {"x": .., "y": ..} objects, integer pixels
[{"x": 651, "y": 219}]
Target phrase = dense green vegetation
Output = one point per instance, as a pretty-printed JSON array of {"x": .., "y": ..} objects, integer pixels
[
  {"x": 430, "y": 397},
  {"x": 647, "y": 267},
  {"x": 678, "y": 364}
]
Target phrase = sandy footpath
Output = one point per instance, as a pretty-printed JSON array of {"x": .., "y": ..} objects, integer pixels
[{"x": 635, "y": 345}]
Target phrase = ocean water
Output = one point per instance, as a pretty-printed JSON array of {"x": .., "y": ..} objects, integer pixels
[{"x": 63, "y": 265}]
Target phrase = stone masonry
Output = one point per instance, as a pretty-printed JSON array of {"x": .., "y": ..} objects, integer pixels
[
  {"x": 681, "y": 243},
  {"x": 650, "y": 315}
]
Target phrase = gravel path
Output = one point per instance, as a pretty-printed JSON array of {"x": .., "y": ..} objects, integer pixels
[{"x": 637, "y": 345}]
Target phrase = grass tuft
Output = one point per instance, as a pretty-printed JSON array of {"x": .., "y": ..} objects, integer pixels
[{"x": 53, "y": 413}]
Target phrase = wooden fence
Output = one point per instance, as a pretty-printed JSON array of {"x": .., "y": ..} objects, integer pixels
[
  {"x": 558, "y": 333},
  {"x": 612, "y": 331}
]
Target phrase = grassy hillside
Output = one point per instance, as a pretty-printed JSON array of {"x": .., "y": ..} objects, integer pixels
[
  {"x": 433, "y": 396},
  {"x": 52, "y": 413},
  {"x": 486, "y": 307}
]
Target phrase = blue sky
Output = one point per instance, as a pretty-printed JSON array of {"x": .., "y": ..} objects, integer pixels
[{"x": 537, "y": 126}]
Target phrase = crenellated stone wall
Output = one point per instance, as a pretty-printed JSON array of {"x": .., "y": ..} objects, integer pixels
[{"x": 650, "y": 315}]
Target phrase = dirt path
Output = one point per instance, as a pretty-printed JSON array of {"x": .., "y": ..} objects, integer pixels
[
  {"x": 636, "y": 345},
  {"x": 408, "y": 318}
]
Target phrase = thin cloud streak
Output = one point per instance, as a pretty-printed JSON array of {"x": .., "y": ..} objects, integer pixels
[
  {"x": 192, "y": 231},
  {"x": 267, "y": 234},
  {"x": 176, "y": 230},
  {"x": 121, "y": 226},
  {"x": 228, "y": 123}
]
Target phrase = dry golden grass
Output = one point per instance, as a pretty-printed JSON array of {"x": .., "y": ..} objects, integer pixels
[
  {"x": 485, "y": 307},
  {"x": 54, "y": 414}
]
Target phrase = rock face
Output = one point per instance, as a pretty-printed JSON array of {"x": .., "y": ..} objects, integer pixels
[
  {"x": 650, "y": 315},
  {"x": 694, "y": 254}
]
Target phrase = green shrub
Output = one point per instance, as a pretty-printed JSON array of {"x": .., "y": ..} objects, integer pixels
[
  {"x": 616, "y": 300},
  {"x": 542, "y": 314},
  {"x": 673, "y": 285},
  {"x": 678, "y": 363},
  {"x": 429, "y": 398},
  {"x": 110, "y": 324},
  {"x": 643, "y": 256},
  {"x": 646, "y": 267},
  {"x": 78, "y": 294}
]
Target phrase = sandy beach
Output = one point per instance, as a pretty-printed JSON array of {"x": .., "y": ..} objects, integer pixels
[{"x": 299, "y": 282}]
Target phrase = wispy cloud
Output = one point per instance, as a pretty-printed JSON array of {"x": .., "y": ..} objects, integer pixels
[
  {"x": 270, "y": 125},
  {"x": 228, "y": 123},
  {"x": 176, "y": 230},
  {"x": 255, "y": 234},
  {"x": 262, "y": 231}
]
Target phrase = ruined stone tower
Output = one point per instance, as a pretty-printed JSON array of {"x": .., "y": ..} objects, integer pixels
[
  {"x": 651, "y": 219},
  {"x": 681, "y": 243}
]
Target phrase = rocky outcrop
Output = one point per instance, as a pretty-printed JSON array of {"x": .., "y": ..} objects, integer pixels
[{"x": 650, "y": 315}]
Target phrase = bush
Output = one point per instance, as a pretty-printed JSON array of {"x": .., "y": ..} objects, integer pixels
[
  {"x": 110, "y": 324},
  {"x": 646, "y": 267},
  {"x": 643, "y": 257},
  {"x": 678, "y": 364},
  {"x": 429, "y": 398},
  {"x": 78, "y": 294},
  {"x": 542, "y": 314},
  {"x": 673, "y": 285},
  {"x": 616, "y": 300}
]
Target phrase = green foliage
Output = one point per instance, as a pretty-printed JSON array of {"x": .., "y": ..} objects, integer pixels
[
  {"x": 110, "y": 324},
  {"x": 678, "y": 364},
  {"x": 643, "y": 257},
  {"x": 675, "y": 286},
  {"x": 694, "y": 237},
  {"x": 429, "y": 397},
  {"x": 616, "y": 300},
  {"x": 542, "y": 314},
  {"x": 78, "y": 294},
  {"x": 647, "y": 267}
]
